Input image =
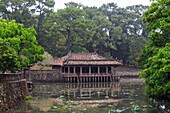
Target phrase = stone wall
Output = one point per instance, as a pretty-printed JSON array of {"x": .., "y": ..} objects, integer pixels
[
  {"x": 12, "y": 91},
  {"x": 43, "y": 75}
]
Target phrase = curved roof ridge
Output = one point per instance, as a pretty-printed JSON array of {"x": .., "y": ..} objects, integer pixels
[{"x": 104, "y": 58}]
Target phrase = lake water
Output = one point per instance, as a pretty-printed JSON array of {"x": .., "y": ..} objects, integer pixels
[{"x": 126, "y": 96}]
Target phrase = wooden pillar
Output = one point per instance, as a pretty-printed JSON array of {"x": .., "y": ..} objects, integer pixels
[
  {"x": 74, "y": 79},
  {"x": 78, "y": 79},
  {"x": 118, "y": 78},
  {"x": 80, "y": 70},
  {"x": 74, "y": 68},
  {"x": 89, "y": 70},
  {"x": 81, "y": 78},
  {"x": 98, "y": 69},
  {"x": 87, "y": 79},
  {"x": 71, "y": 79},
  {"x": 107, "y": 79},
  {"x": 68, "y": 79},
  {"x": 68, "y": 70},
  {"x": 106, "y": 69}
]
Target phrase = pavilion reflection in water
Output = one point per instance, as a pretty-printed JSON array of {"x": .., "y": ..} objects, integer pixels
[{"x": 92, "y": 91}]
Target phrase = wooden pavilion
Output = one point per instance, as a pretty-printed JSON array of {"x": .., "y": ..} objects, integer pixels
[{"x": 86, "y": 67}]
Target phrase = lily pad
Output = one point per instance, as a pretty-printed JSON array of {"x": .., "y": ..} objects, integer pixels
[
  {"x": 54, "y": 107},
  {"x": 118, "y": 110}
]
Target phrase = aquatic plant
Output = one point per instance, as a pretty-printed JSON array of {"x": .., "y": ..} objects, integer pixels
[
  {"x": 152, "y": 100},
  {"x": 61, "y": 96},
  {"x": 110, "y": 104},
  {"x": 70, "y": 103},
  {"x": 28, "y": 97},
  {"x": 135, "y": 108},
  {"x": 54, "y": 107},
  {"x": 67, "y": 92},
  {"x": 118, "y": 110},
  {"x": 64, "y": 107}
]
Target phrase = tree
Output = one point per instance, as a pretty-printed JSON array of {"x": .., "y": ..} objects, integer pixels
[
  {"x": 137, "y": 35},
  {"x": 43, "y": 8},
  {"x": 100, "y": 41},
  {"x": 18, "y": 46},
  {"x": 155, "y": 58},
  {"x": 158, "y": 73},
  {"x": 127, "y": 32},
  {"x": 67, "y": 30},
  {"x": 19, "y": 10},
  {"x": 117, "y": 35},
  {"x": 78, "y": 29},
  {"x": 27, "y": 12}
]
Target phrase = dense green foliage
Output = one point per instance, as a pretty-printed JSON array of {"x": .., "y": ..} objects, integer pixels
[
  {"x": 109, "y": 30},
  {"x": 18, "y": 46},
  {"x": 127, "y": 31},
  {"x": 156, "y": 54}
]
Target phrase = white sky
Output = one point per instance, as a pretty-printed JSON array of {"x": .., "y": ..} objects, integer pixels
[{"x": 59, "y": 4}]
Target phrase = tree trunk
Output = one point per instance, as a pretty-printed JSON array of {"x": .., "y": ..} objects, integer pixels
[{"x": 69, "y": 40}]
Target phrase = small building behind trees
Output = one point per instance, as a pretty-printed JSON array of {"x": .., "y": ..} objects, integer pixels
[{"x": 86, "y": 67}]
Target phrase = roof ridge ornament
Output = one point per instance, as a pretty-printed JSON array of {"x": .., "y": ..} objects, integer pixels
[
  {"x": 69, "y": 52},
  {"x": 95, "y": 53}
]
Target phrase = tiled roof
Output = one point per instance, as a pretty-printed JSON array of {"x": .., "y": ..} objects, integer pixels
[
  {"x": 85, "y": 56},
  {"x": 60, "y": 61},
  {"x": 84, "y": 59}
]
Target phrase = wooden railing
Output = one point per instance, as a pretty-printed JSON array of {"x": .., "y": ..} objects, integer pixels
[{"x": 120, "y": 73}]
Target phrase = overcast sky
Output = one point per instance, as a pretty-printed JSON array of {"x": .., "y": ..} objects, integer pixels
[{"x": 59, "y": 4}]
